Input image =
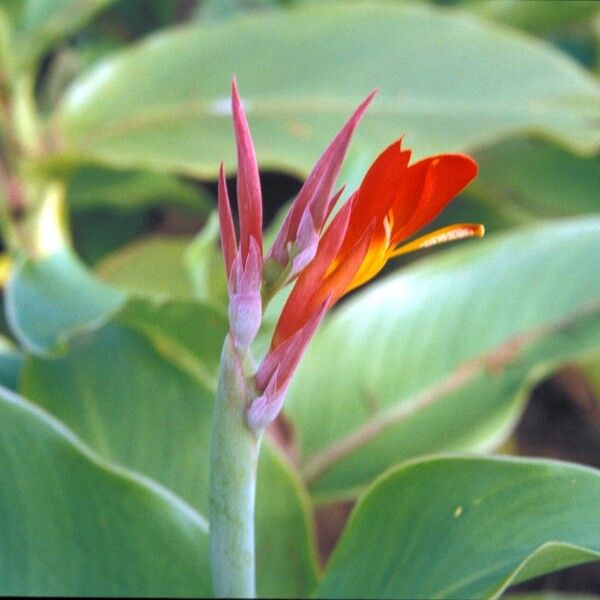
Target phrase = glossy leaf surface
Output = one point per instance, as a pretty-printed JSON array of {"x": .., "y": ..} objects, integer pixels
[
  {"x": 74, "y": 525},
  {"x": 50, "y": 300},
  {"x": 140, "y": 392},
  {"x": 448, "y": 349},
  {"x": 465, "y": 528},
  {"x": 163, "y": 105}
]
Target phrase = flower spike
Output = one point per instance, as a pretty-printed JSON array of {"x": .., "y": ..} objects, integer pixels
[
  {"x": 244, "y": 264},
  {"x": 275, "y": 372},
  {"x": 314, "y": 202},
  {"x": 393, "y": 202}
]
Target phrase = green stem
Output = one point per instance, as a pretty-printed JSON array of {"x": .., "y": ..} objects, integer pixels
[{"x": 234, "y": 455}]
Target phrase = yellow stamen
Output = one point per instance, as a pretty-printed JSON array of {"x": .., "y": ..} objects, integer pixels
[{"x": 441, "y": 236}]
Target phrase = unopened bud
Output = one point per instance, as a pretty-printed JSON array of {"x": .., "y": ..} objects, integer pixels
[
  {"x": 263, "y": 411},
  {"x": 245, "y": 315}
]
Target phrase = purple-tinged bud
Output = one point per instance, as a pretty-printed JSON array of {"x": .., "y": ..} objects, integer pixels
[
  {"x": 276, "y": 370},
  {"x": 265, "y": 408},
  {"x": 245, "y": 303},
  {"x": 245, "y": 315},
  {"x": 315, "y": 195},
  {"x": 307, "y": 241}
]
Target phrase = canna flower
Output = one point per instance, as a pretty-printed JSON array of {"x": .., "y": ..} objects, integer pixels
[
  {"x": 244, "y": 264},
  {"x": 393, "y": 202}
]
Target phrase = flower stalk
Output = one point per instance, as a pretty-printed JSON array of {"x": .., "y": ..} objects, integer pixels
[
  {"x": 234, "y": 456},
  {"x": 323, "y": 263}
]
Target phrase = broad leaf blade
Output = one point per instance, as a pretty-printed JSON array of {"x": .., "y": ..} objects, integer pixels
[
  {"x": 75, "y": 526},
  {"x": 49, "y": 300},
  {"x": 285, "y": 546},
  {"x": 536, "y": 16},
  {"x": 45, "y": 22},
  {"x": 120, "y": 393},
  {"x": 465, "y": 528},
  {"x": 443, "y": 353},
  {"x": 11, "y": 364},
  {"x": 531, "y": 179},
  {"x": 140, "y": 392},
  {"x": 93, "y": 187},
  {"x": 154, "y": 267},
  {"x": 163, "y": 105}
]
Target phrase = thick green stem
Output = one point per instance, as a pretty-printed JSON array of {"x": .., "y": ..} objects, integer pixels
[{"x": 234, "y": 457}]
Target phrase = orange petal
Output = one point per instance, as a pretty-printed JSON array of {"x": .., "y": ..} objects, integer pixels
[
  {"x": 450, "y": 233},
  {"x": 376, "y": 195},
  {"x": 426, "y": 189},
  {"x": 301, "y": 302},
  {"x": 339, "y": 282}
]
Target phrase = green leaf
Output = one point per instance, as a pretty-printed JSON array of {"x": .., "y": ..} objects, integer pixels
[
  {"x": 11, "y": 364},
  {"x": 45, "y": 22},
  {"x": 440, "y": 356},
  {"x": 445, "y": 79},
  {"x": 142, "y": 396},
  {"x": 532, "y": 179},
  {"x": 13, "y": 9},
  {"x": 133, "y": 190},
  {"x": 285, "y": 548},
  {"x": 186, "y": 331},
  {"x": 126, "y": 399},
  {"x": 465, "y": 528},
  {"x": 153, "y": 267},
  {"x": 535, "y": 16},
  {"x": 99, "y": 232},
  {"x": 74, "y": 525},
  {"x": 205, "y": 265},
  {"x": 591, "y": 370},
  {"x": 225, "y": 9},
  {"x": 50, "y": 300},
  {"x": 551, "y": 595}
]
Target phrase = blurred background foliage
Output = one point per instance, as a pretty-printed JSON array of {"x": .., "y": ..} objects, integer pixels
[{"x": 115, "y": 118}]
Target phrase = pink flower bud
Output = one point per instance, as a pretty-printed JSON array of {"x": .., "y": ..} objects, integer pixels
[{"x": 245, "y": 315}]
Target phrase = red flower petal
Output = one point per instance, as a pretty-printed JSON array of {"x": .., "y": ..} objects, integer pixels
[
  {"x": 426, "y": 189},
  {"x": 228, "y": 239},
  {"x": 248, "y": 182},
  {"x": 315, "y": 194}
]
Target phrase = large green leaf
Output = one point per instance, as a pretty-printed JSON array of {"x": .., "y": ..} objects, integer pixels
[
  {"x": 155, "y": 267},
  {"x": 142, "y": 396},
  {"x": 45, "y": 22},
  {"x": 536, "y": 16},
  {"x": 465, "y": 528},
  {"x": 205, "y": 265},
  {"x": 445, "y": 79},
  {"x": 285, "y": 551},
  {"x": 133, "y": 190},
  {"x": 439, "y": 357},
  {"x": 74, "y": 525},
  {"x": 186, "y": 331},
  {"x": 551, "y": 595},
  {"x": 531, "y": 179},
  {"x": 11, "y": 363},
  {"x": 100, "y": 232},
  {"x": 171, "y": 267},
  {"x": 121, "y": 395},
  {"x": 50, "y": 299}
]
